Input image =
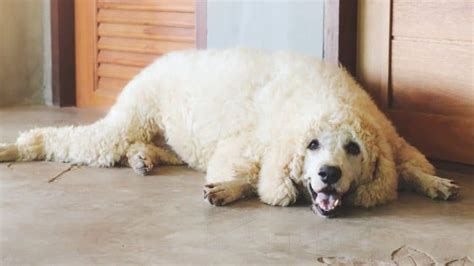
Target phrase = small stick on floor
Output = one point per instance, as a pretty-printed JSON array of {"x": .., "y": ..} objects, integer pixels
[
  {"x": 52, "y": 179},
  {"x": 10, "y": 165}
]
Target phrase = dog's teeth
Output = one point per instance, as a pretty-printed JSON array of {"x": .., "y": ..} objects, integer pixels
[{"x": 336, "y": 203}]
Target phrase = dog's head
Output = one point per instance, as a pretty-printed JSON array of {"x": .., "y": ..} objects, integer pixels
[{"x": 338, "y": 153}]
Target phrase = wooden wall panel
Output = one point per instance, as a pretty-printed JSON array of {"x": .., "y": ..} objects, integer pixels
[
  {"x": 433, "y": 77},
  {"x": 443, "y": 137},
  {"x": 373, "y": 48},
  {"x": 438, "y": 19},
  {"x": 416, "y": 58}
]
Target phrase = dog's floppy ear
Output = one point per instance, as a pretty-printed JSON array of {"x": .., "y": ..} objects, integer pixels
[
  {"x": 379, "y": 182},
  {"x": 383, "y": 165}
]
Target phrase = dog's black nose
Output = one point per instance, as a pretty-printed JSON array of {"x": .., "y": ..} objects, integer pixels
[{"x": 330, "y": 174}]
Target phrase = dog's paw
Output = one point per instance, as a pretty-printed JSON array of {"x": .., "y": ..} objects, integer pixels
[
  {"x": 442, "y": 188},
  {"x": 282, "y": 194},
  {"x": 141, "y": 163},
  {"x": 8, "y": 152},
  {"x": 218, "y": 194}
]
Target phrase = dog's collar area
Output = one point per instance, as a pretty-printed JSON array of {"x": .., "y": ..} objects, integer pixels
[{"x": 325, "y": 202}]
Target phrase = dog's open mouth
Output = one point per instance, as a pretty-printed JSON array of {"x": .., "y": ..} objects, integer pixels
[{"x": 326, "y": 201}]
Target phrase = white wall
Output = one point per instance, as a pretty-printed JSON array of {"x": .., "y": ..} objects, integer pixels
[
  {"x": 270, "y": 24},
  {"x": 25, "y": 52}
]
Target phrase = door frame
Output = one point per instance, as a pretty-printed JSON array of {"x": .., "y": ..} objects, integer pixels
[
  {"x": 63, "y": 53},
  {"x": 340, "y": 33}
]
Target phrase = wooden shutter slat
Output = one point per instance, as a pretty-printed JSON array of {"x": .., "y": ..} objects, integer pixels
[
  {"x": 141, "y": 46},
  {"x": 125, "y": 58},
  {"x": 117, "y": 71},
  {"x": 172, "y": 19},
  {"x": 147, "y": 32},
  {"x": 155, "y": 5},
  {"x": 112, "y": 84}
]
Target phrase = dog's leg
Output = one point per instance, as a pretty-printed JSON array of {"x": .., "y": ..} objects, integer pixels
[
  {"x": 142, "y": 157},
  {"x": 275, "y": 185},
  {"x": 222, "y": 193},
  {"x": 230, "y": 175},
  {"x": 430, "y": 185},
  {"x": 417, "y": 173}
]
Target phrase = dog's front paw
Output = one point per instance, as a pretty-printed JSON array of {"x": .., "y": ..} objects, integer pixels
[
  {"x": 218, "y": 194},
  {"x": 442, "y": 188},
  {"x": 141, "y": 163},
  {"x": 282, "y": 194}
]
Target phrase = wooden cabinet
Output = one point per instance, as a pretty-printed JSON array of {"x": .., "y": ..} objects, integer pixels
[
  {"x": 416, "y": 59},
  {"x": 115, "y": 39}
]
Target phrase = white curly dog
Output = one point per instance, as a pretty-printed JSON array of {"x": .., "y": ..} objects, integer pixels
[{"x": 275, "y": 124}]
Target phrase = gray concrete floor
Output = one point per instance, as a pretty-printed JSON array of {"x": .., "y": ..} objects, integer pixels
[{"x": 112, "y": 216}]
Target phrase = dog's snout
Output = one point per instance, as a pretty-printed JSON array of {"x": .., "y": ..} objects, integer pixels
[{"x": 330, "y": 174}]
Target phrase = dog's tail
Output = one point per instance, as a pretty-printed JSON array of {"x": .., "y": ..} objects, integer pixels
[{"x": 98, "y": 144}]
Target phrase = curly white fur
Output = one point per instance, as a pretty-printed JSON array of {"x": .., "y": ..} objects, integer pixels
[{"x": 241, "y": 115}]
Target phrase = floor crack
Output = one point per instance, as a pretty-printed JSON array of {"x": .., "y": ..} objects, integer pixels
[{"x": 52, "y": 179}]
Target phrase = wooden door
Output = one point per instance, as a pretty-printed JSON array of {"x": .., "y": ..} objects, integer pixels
[
  {"x": 115, "y": 39},
  {"x": 416, "y": 59}
]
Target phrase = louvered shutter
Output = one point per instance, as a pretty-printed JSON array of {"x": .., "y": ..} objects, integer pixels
[{"x": 115, "y": 39}]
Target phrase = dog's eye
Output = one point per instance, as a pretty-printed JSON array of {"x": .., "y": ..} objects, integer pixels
[
  {"x": 313, "y": 145},
  {"x": 352, "y": 148}
]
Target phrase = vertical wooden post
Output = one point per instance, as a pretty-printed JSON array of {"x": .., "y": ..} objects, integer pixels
[
  {"x": 340, "y": 33},
  {"x": 63, "y": 52}
]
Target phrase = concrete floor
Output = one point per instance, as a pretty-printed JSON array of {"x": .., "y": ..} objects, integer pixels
[{"x": 113, "y": 216}]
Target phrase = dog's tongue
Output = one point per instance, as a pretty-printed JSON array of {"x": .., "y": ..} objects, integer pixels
[{"x": 327, "y": 202}]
